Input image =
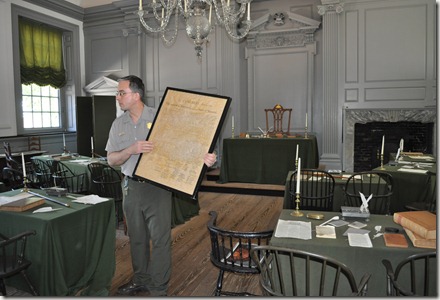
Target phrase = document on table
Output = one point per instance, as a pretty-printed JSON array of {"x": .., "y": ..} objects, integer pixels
[
  {"x": 359, "y": 240},
  {"x": 327, "y": 232},
  {"x": 90, "y": 199},
  {"x": 410, "y": 170},
  {"x": 294, "y": 229}
]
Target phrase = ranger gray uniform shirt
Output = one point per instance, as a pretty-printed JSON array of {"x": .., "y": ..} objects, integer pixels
[{"x": 124, "y": 133}]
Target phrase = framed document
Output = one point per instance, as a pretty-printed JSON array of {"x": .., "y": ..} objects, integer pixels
[{"x": 185, "y": 128}]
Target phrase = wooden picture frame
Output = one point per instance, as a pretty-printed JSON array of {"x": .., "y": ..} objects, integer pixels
[{"x": 185, "y": 128}]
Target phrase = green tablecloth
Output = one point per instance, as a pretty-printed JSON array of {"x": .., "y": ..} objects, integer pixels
[
  {"x": 409, "y": 187},
  {"x": 359, "y": 260},
  {"x": 183, "y": 207},
  {"x": 265, "y": 160},
  {"x": 73, "y": 250}
]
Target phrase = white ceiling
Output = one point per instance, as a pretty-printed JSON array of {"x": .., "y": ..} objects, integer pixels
[{"x": 91, "y": 3}]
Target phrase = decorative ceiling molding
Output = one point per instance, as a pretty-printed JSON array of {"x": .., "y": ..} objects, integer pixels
[
  {"x": 62, "y": 7},
  {"x": 282, "y": 29},
  {"x": 102, "y": 86}
]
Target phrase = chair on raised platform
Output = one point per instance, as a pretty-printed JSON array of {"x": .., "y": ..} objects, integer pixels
[
  {"x": 316, "y": 187},
  {"x": 276, "y": 114},
  {"x": 230, "y": 252}
]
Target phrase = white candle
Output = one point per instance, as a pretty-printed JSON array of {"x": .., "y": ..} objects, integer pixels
[
  {"x": 401, "y": 145},
  {"x": 383, "y": 145},
  {"x": 91, "y": 142},
  {"x": 210, "y": 13},
  {"x": 24, "y": 166},
  {"x": 298, "y": 176},
  {"x": 297, "y": 149},
  {"x": 249, "y": 12},
  {"x": 140, "y": 4},
  {"x": 161, "y": 23},
  {"x": 306, "y": 120},
  {"x": 184, "y": 3},
  {"x": 232, "y": 121},
  {"x": 64, "y": 140}
]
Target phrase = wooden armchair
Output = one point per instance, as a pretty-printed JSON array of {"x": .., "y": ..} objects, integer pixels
[{"x": 276, "y": 114}]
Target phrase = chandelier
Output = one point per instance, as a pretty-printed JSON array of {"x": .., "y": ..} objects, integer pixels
[{"x": 197, "y": 15}]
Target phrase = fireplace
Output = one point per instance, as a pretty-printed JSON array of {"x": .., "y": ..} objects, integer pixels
[{"x": 394, "y": 124}]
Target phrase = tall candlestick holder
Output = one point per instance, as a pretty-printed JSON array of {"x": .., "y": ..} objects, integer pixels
[
  {"x": 65, "y": 151},
  {"x": 25, "y": 184},
  {"x": 93, "y": 153},
  {"x": 297, "y": 212},
  {"x": 381, "y": 162},
  {"x": 296, "y": 164},
  {"x": 306, "y": 134},
  {"x": 233, "y": 132}
]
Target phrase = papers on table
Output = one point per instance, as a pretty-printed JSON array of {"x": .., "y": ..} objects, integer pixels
[
  {"x": 421, "y": 157},
  {"x": 9, "y": 199},
  {"x": 419, "y": 171},
  {"x": 90, "y": 199},
  {"x": 357, "y": 225},
  {"x": 294, "y": 229},
  {"x": 326, "y": 231},
  {"x": 355, "y": 230},
  {"x": 359, "y": 240}
]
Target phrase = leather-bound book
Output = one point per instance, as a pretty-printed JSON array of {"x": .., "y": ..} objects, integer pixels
[
  {"x": 422, "y": 223},
  {"x": 395, "y": 240},
  {"x": 420, "y": 242}
]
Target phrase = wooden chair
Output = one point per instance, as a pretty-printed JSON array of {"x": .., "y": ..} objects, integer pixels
[
  {"x": 66, "y": 178},
  {"x": 316, "y": 190},
  {"x": 43, "y": 173},
  {"x": 414, "y": 276},
  {"x": 230, "y": 252},
  {"x": 13, "y": 260},
  {"x": 378, "y": 183},
  {"x": 12, "y": 163},
  {"x": 34, "y": 143},
  {"x": 12, "y": 178},
  {"x": 429, "y": 202},
  {"x": 276, "y": 114},
  {"x": 108, "y": 185},
  {"x": 292, "y": 272}
]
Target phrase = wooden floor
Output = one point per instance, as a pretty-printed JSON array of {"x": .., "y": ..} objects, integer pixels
[{"x": 192, "y": 271}]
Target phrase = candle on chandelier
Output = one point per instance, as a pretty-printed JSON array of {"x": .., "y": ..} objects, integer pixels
[
  {"x": 140, "y": 4},
  {"x": 298, "y": 176},
  {"x": 383, "y": 145},
  {"x": 249, "y": 12},
  {"x": 210, "y": 13},
  {"x": 24, "y": 165},
  {"x": 161, "y": 23},
  {"x": 184, "y": 4}
]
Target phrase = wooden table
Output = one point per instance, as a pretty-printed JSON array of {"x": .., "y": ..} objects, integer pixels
[
  {"x": 73, "y": 250},
  {"x": 265, "y": 160},
  {"x": 359, "y": 260}
]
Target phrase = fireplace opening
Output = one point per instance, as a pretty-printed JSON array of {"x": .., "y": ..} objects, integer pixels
[{"x": 417, "y": 136}]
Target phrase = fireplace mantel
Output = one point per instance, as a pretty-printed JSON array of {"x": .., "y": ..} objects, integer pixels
[{"x": 353, "y": 116}]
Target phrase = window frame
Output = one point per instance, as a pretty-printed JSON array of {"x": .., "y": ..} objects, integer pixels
[{"x": 71, "y": 49}]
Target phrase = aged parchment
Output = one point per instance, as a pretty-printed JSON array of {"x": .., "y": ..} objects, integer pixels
[{"x": 183, "y": 132}]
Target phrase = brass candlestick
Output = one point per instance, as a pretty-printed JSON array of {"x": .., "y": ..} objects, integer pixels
[
  {"x": 296, "y": 164},
  {"x": 25, "y": 187},
  {"x": 381, "y": 162},
  {"x": 296, "y": 212},
  {"x": 65, "y": 151}
]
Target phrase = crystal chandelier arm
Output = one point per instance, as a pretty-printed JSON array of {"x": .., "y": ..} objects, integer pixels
[
  {"x": 172, "y": 39},
  {"x": 163, "y": 20},
  {"x": 229, "y": 19}
]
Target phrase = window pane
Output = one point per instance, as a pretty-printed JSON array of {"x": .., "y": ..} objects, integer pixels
[
  {"x": 26, "y": 89},
  {"x": 36, "y": 90},
  {"x": 27, "y": 120},
  {"x": 27, "y": 103},
  {"x": 37, "y": 120},
  {"x": 54, "y": 92},
  {"x": 46, "y": 119},
  {"x": 45, "y": 104},
  {"x": 45, "y": 90},
  {"x": 54, "y": 105},
  {"x": 55, "y": 119}
]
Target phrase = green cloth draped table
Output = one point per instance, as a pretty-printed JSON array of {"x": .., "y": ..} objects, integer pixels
[
  {"x": 183, "y": 207},
  {"x": 359, "y": 260},
  {"x": 73, "y": 250},
  {"x": 265, "y": 160}
]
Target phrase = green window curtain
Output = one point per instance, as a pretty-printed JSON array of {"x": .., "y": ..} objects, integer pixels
[{"x": 41, "y": 54}]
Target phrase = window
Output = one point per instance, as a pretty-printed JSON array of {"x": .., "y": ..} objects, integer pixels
[{"x": 41, "y": 106}]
